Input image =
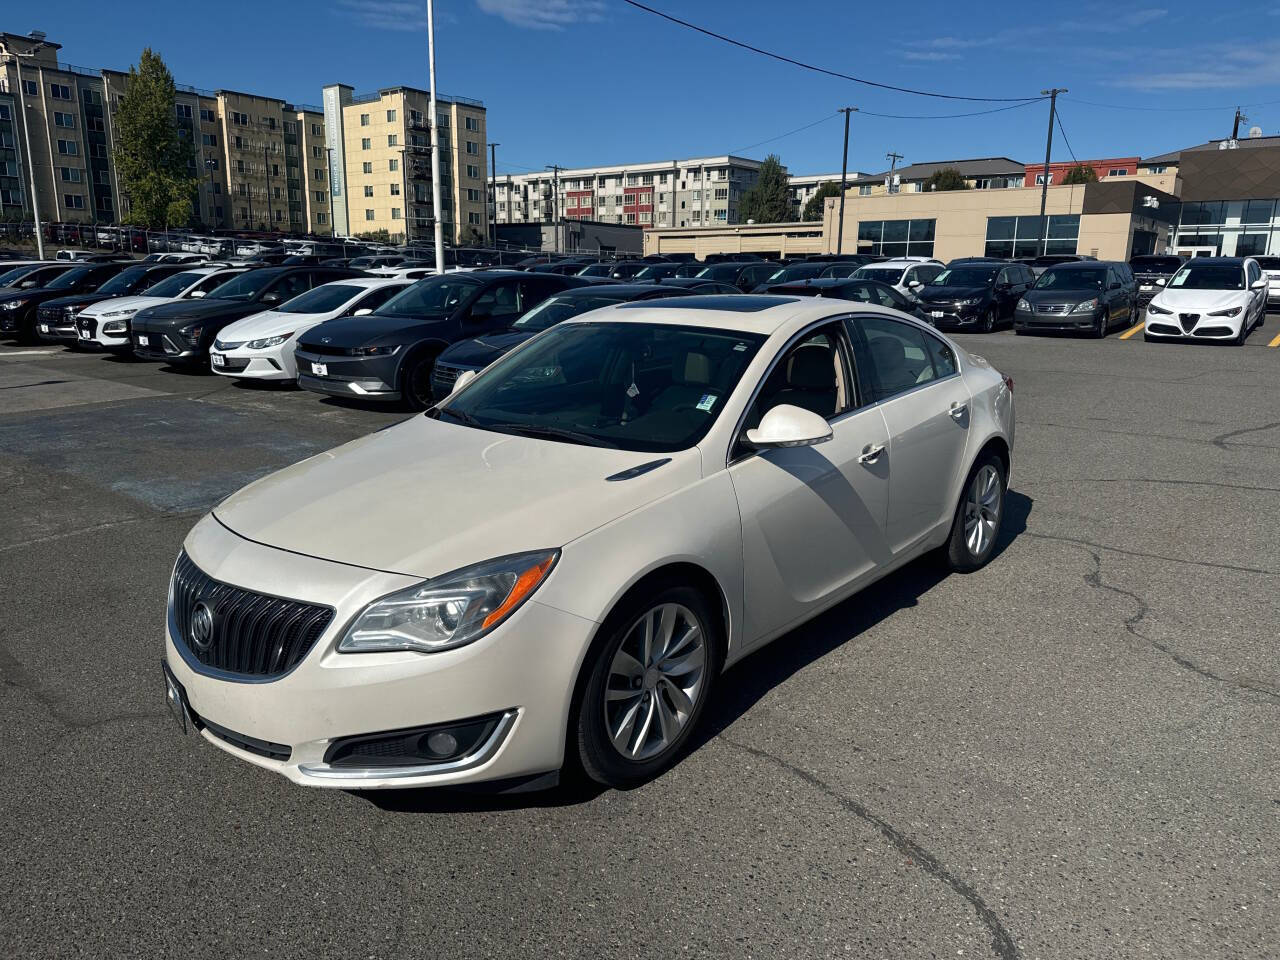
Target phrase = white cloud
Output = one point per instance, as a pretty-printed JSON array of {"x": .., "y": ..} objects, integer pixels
[
  {"x": 388, "y": 14},
  {"x": 930, "y": 56},
  {"x": 1219, "y": 66},
  {"x": 544, "y": 14}
]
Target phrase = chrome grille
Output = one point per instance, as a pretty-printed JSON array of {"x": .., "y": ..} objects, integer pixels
[
  {"x": 1053, "y": 308},
  {"x": 253, "y": 634}
]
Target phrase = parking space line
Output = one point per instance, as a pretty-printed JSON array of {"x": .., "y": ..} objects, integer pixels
[
  {"x": 1132, "y": 330},
  {"x": 1275, "y": 341}
]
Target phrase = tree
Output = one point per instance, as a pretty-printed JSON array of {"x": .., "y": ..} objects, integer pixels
[
  {"x": 769, "y": 201},
  {"x": 1081, "y": 173},
  {"x": 153, "y": 162},
  {"x": 813, "y": 209},
  {"x": 948, "y": 178}
]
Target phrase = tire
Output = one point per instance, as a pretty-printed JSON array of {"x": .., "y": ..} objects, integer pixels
[
  {"x": 650, "y": 696},
  {"x": 970, "y": 548},
  {"x": 1243, "y": 335},
  {"x": 1100, "y": 329},
  {"x": 989, "y": 320},
  {"x": 1148, "y": 337},
  {"x": 415, "y": 390}
]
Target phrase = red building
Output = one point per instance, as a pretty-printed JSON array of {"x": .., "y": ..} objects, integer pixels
[{"x": 1113, "y": 167}]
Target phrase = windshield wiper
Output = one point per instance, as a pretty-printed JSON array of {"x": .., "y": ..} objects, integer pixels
[
  {"x": 458, "y": 415},
  {"x": 554, "y": 433}
]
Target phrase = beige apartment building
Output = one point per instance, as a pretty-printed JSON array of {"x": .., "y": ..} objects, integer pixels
[{"x": 382, "y": 147}]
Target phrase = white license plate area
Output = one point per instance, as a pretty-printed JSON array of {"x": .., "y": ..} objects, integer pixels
[
  {"x": 144, "y": 340},
  {"x": 218, "y": 359},
  {"x": 320, "y": 369}
]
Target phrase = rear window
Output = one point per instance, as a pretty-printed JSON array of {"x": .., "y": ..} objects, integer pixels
[
  {"x": 1155, "y": 264},
  {"x": 1266, "y": 263}
]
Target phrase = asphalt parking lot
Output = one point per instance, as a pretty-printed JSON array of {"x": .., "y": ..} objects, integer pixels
[{"x": 1074, "y": 752}]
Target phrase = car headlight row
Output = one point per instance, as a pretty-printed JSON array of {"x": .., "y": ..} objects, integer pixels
[
  {"x": 1157, "y": 309},
  {"x": 14, "y": 304},
  {"x": 1229, "y": 312},
  {"x": 268, "y": 342},
  {"x": 450, "y": 611},
  {"x": 1087, "y": 307}
]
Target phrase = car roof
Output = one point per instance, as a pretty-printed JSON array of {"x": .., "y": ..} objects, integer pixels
[
  {"x": 741, "y": 313},
  {"x": 1080, "y": 265},
  {"x": 903, "y": 262},
  {"x": 371, "y": 283},
  {"x": 620, "y": 291},
  {"x": 1219, "y": 261}
]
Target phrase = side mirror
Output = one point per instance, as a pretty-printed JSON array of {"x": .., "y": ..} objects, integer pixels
[
  {"x": 1114, "y": 286},
  {"x": 197, "y": 294},
  {"x": 1261, "y": 284},
  {"x": 362, "y": 312},
  {"x": 915, "y": 284},
  {"x": 1161, "y": 281},
  {"x": 271, "y": 298},
  {"x": 465, "y": 377},
  {"x": 788, "y": 426}
]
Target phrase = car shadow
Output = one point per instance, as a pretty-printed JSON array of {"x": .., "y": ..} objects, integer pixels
[{"x": 740, "y": 688}]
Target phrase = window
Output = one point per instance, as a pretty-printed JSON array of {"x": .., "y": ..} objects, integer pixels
[
  {"x": 395, "y": 189},
  {"x": 472, "y": 123},
  {"x": 395, "y": 213},
  {"x": 1020, "y": 236},
  {"x": 864, "y": 190},
  {"x": 898, "y": 238},
  {"x": 322, "y": 218},
  {"x": 59, "y": 91},
  {"x": 366, "y": 144},
  {"x": 64, "y": 120},
  {"x": 473, "y": 218},
  {"x": 473, "y": 171},
  {"x": 317, "y": 152},
  {"x": 393, "y": 164},
  {"x": 1121, "y": 172},
  {"x": 442, "y": 120},
  {"x": 722, "y": 193},
  {"x": 892, "y": 356},
  {"x": 238, "y": 142},
  {"x": 4, "y": 112},
  {"x": 73, "y": 201},
  {"x": 391, "y": 116},
  {"x": 239, "y": 119},
  {"x": 368, "y": 190},
  {"x": 472, "y": 148},
  {"x": 68, "y": 148},
  {"x": 393, "y": 140},
  {"x": 275, "y": 169},
  {"x": 812, "y": 375},
  {"x": 239, "y": 166},
  {"x": 364, "y": 119},
  {"x": 183, "y": 110},
  {"x": 70, "y": 174},
  {"x": 367, "y": 167},
  {"x": 320, "y": 196},
  {"x": 206, "y": 115},
  {"x": 209, "y": 139},
  {"x": 31, "y": 88},
  {"x": 318, "y": 173},
  {"x": 368, "y": 214},
  {"x": 1040, "y": 179}
]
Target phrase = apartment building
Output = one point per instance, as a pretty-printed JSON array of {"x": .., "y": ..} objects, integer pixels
[
  {"x": 381, "y": 146},
  {"x": 680, "y": 193},
  {"x": 804, "y": 186},
  {"x": 981, "y": 173}
]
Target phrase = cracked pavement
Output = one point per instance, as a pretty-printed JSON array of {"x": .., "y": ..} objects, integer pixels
[{"x": 1072, "y": 753}]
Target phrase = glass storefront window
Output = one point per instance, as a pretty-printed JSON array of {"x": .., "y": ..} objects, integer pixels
[
  {"x": 1231, "y": 228},
  {"x": 897, "y": 238},
  {"x": 1020, "y": 236}
]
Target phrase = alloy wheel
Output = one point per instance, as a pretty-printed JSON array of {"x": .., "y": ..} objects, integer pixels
[
  {"x": 982, "y": 510},
  {"x": 655, "y": 681}
]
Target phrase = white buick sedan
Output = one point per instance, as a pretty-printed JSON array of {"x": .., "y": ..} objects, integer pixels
[{"x": 556, "y": 564}]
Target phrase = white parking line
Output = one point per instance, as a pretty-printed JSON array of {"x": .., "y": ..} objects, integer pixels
[{"x": 30, "y": 353}]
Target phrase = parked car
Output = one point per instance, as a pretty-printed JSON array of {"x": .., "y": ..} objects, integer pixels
[
  {"x": 689, "y": 268},
  {"x": 106, "y": 325},
  {"x": 907, "y": 275},
  {"x": 656, "y": 270},
  {"x": 181, "y": 333},
  {"x": 850, "y": 288},
  {"x": 1270, "y": 267},
  {"x": 791, "y": 273},
  {"x": 978, "y": 294},
  {"x": 270, "y": 258},
  {"x": 56, "y": 319},
  {"x": 626, "y": 269},
  {"x": 389, "y": 354},
  {"x": 599, "y": 271},
  {"x": 1152, "y": 273},
  {"x": 175, "y": 258},
  {"x": 1087, "y": 297},
  {"x": 1042, "y": 263},
  {"x": 1210, "y": 298},
  {"x": 696, "y": 284},
  {"x": 846, "y": 266},
  {"x": 18, "y": 309},
  {"x": 84, "y": 256},
  {"x": 731, "y": 257},
  {"x": 554, "y": 569},
  {"x": 261, "y": 346},
  {"x": 477, "y": 353},
  {"x": 566, "y": 268},
  {"x": 743, "y": 274},
  {"x": 27, "y": 275}
]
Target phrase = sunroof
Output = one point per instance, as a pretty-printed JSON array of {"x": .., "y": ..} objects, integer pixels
[{"x": 730, "y": 303}]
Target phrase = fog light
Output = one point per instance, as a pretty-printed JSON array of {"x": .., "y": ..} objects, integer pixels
[
  {"x": 442, "y": 744},
  {"x": 438, "y": 743}
]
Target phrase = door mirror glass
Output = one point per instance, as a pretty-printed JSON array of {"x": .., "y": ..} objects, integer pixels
[
  {"x": 197, "y": 294},
  {"x": 362, "y": 312},
  {"x": 914, "y": 284},
  {"x": 1259, "y": 284},
  {"x": 1160, "y": 281},
  {"x": 465, "y": 377},
  {"x": 788, "y": 426},
  {"x": 271, "y": 297}
]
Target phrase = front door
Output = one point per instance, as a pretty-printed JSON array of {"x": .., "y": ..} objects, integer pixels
[
  {"x": 914, "y": 377},
  {"x": 812, "y": 517}
]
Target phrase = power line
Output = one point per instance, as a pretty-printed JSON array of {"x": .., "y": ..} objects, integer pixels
[
  {"x": 952, "y": 116},
  {"x": 1058, "y": 116},
  {"x": 1143, "y": 109},
  {"x": 810, "y": 66},
  {"x": 780, "y": 136}
]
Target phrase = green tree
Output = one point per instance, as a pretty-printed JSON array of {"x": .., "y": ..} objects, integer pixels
[
  {"x": 153, "y": 162},
  {"x": 1081, "y": 173},
  {"x": 948, "y": 178},
  {"x": 813, "y": 209},
  {"x": 769, "y": 201}
]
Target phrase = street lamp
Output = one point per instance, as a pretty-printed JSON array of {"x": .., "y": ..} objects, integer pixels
[
  {"x": 211, "y": 163},
  {"x": 26, "y": 136}
]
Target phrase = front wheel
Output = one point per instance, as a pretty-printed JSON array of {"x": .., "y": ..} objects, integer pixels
[
  {"x": 989, "y": 320},
  {"x": 416, "y": 383},
  {"x": 978, "y": 517},
  {"x": 647, "y": 686}
]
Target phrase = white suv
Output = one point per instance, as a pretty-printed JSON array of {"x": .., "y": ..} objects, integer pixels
[{"x": 904, "y": 274}]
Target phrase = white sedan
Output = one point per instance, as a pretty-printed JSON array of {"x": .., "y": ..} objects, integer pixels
[
  {"x": 556, "y": 564},
  {"x": 260, "y": 347},
  {"x": 106, "y": 324},
  {"x": 1209, "y": 298}
]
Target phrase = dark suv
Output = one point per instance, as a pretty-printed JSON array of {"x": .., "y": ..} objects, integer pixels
[
  {"x": 978, "y": 295},
  {"x": 181, "y": 333},
  {"x": 389, "y": 354},
  {"x": 57, "y": 318},
  {"x": 745, "y": 275},
  {"x": 1152, "y": 273},
  {"x": 18, "y": 309},
  {"x": 1089, "y": 297}
]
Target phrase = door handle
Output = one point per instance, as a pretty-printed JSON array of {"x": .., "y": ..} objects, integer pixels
[
  {"x": 871, "y": 453},
  {"x": 957, "y": 410}
]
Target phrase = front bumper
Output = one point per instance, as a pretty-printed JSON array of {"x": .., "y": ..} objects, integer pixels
[
  {"x": 55, "y": 326},
  {"x": 274, "y": 363},
  {"x": 363, "y": 378},
  {"x": 91, "y": 335},
  {"x": 524, "y": 672},
  {"x": 1055, "y": 322},
  {"x": 950, "y": 316},
  {"x": 169, "y": 346}
]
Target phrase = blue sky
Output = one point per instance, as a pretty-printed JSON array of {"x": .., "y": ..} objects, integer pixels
[{"x": 580, "y": 82}]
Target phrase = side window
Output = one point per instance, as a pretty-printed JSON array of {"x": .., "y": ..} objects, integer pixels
[
  {"x": 943, "y": 357},
  {"x": 891, "y": 356},
  {"x": 1006, "y": 276},
  {"x": 929, "y": 274},
  {"x": 215, "y": 280},
  {"x": 375, "y": 299},
  {"x": 500, "y": 300},
  {"x": 292, "y": 284},
  {"x": 813, "y": 374}
]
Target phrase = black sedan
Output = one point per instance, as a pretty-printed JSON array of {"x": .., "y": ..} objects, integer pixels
[
  {"x": 388, "y": 355},
  {"x": 18, "y": 308},
  {"x": 696, "y": 285},
  {"x": 977, "y": 295},
  {"x": 478, "y": 352},
  {"x": 844, "y": 288},
  {"x": 181, "y": 333},
  {"x": 57, "y": 318}
]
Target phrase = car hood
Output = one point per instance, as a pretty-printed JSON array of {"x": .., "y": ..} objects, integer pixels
[
  {"x": 166, "y": 316},
  {"x": 426, "y": 497},
  {"x": 78, "y": 299},
  {"x": 943, "y": 294},
  {"x": 269, "y": 323},
  {"x": 482, "y": 351},
  {"x": 112, "y": 304},
  {"x": 356, "y": 331},
  {"x": 1200, "y": 301}
]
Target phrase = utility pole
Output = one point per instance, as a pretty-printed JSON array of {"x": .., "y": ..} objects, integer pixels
[
  {"x": 211, "y": 163},
  {"x": 493, "y": 175},
  {"x": 893, "y": 159},
  {"x": 1235, "y": 127},
  {"x": 844, "y": 178},
  {"x": 1044, "y": 184},
  {"x": 26, "y": 136},
  {"x": 438, "y": 227},
  {"x": 266, "y": 170},
  {"x": 404, "y": 185},
  {"x": 555, "y": 200}
]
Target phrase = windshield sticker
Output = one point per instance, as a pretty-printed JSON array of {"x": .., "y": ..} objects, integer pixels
[
  {"x": 1180, "y": 279},
  {"x": 707, "y": 402},
  {"x": 739, "y": 347},
  {"x": 633, "y": 391}
]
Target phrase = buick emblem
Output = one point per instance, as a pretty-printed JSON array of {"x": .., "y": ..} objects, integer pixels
[{"x": 201, "y": 627}]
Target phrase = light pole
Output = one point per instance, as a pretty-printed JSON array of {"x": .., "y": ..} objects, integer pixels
[
  {"x": 26, "y": 137},
  {"x": 435, "y": 139},
  {"x": 328, "y": 151},
  {"x": 404, "y": 186},
  {"x": 211, "y": 164}
]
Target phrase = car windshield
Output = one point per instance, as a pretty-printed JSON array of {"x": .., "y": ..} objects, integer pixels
[
  {"x": 70, "y": 279},
  {"x": 965, "y": 277},
  {"x": 595, "y": 270},
  {"x": 323, "y": 299},
  {"x": 17, "y": 273},
  {"x": 636, "y": 386},
  {"x": 173, "y": 285},
  {"x": 1209, "y": 276},
  {"x": 554, "y": 309},
  {"x": 841, "y": 270},
  {"x": 1155, "y": 264},
  {"x": 1071, "y": 280},
  {"x": 430, "y": 295},
  {"x": 124, "y": 281},
  {"x": 889, "y": 275},
  {"x": 246, "y": 286},
  {"x": 656, "y": 270},
  {"x": 1266, "y": 263}
]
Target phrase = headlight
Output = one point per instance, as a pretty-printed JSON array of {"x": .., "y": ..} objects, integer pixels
[
  {"x": 451, "y": 610},
  {"x": 374, "y": 351},
  {"x": 1023, "y": 305},
  {"x": 1087, "y": 307},
  {"x": 971, "y": 302},
  {"x": 113, "y": 326},
  {"x": 1156, "y": 308},
  {"x": 15, "y": 304},
  {"x": 1229, "y": 312},
  {"x": 192, "y": 334},
  {"x": 268, "y": 341}
]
